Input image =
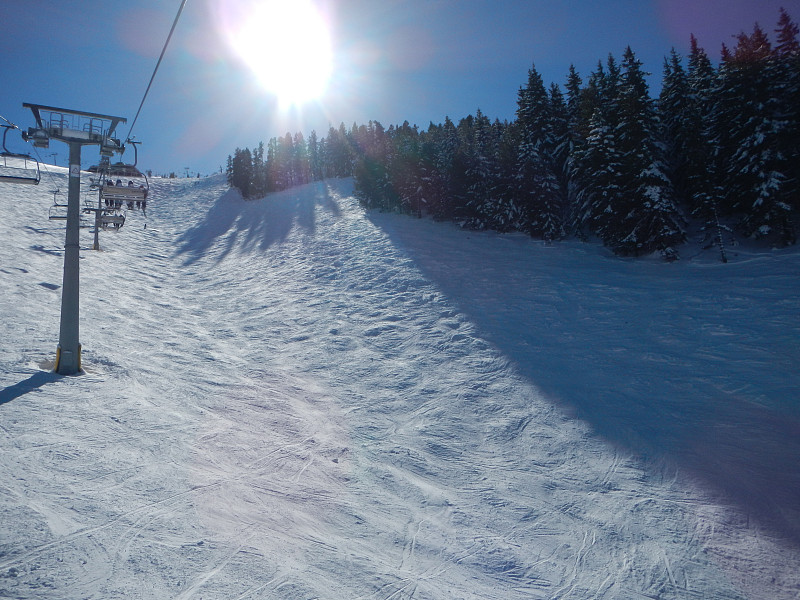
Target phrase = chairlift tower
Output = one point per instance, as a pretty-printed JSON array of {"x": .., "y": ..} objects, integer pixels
[{"x": 77, "y": 129}]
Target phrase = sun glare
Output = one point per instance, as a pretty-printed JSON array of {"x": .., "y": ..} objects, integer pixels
[{"x": 287, "y": 46}]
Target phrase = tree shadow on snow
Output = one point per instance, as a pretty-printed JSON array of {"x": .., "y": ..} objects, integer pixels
[
  {"x": 659, "y": 385},
  {"x": 35, "y": 381},
  {"x": 255, "y": 224}
]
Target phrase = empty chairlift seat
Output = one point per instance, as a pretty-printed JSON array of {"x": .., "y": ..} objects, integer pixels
[{"x": 16, "y": 167}]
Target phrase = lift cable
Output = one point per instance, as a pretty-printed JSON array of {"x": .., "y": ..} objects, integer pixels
[
  {"x": 174, "y": 23},
  {"x": 13, "y": 125},
  {"x": 50, "y": 174}
]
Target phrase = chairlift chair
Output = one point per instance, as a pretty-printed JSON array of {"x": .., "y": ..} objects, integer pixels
[
  {"x": 56, "y": 192},
  {"x": 112, "y": 219},
  {"x": 58, "y": 210},
  {"x": 106, "y": 217},
  {"x": 122, "y": 184},
  {"x": 16, "y": 167}
]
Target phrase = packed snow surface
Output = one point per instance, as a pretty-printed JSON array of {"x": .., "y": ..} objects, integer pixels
[{"x": 294, "y": 398}]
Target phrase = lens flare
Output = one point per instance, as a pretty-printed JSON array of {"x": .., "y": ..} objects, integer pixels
[{"x": 286, "y": 45}]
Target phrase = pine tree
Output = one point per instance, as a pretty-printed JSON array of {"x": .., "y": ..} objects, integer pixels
[
  {"x": 228, "y": 171},
  {"x": 596, "y": 162},
  {"x": 648, "y": 218},
  {"x": 598, "y": 191},
  {"x": 405, "y": 169},
  {"x": 481, "y": 174},
  {"x": 786, "y": 76},
  {"x": 445, "y": 145},
  {"x": 588, "y": 101},
  {"x": 314, "y": 159},
  {"x": 751, "y": 126},
  {"x": 283, "y": 162},
  {"x": 624, "y": 194},
  {"x": 577, "y": 140},
  {"x": 241, "y": 172},
  {"x": 699, "y": 131},
  {"x": 608, "y": 83},
  {"x": 562, "y": 142},
  {"x": 371, "y": 168},
  {"x": 702, "y": 156},
  {"x": 574, "y": 93},
  {"x": 675, "y": 117},
  {"x": 259, "y": 184},
  {"x": 537, "y": 201},
  {"x": 273, "y": 175}
]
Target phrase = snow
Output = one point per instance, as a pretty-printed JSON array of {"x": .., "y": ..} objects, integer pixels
[{"x": 295, "y": 398}]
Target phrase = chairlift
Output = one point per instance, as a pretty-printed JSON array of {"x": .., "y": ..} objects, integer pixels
[
  {"x": 16, "y": 167},
  {"x": 56, "y": 202},
  {"x": 121, "y": 184},
  {"x": 58, "y": 210},
  {"x": 106, "y": 217},
  {"x": 112, "y": 219}
]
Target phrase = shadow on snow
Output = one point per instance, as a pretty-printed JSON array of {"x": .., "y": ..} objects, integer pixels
[
  {"x": 668, "y": 400},
  {"x": 625, "y": 351},
  {"x": 254, "y": 224},
  {"x": 35, "y": 381}
]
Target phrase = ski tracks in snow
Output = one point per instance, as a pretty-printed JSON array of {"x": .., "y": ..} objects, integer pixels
[{"x": 285, "y": 404}]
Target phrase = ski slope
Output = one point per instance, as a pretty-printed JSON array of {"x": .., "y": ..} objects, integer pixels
[{"x": 293, "y": 398}]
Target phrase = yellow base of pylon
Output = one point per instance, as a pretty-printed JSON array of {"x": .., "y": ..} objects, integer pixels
[{"x": 58, "y": 360}]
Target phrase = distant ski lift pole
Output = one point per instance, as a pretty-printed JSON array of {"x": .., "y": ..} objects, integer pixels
[
  {"x": 16, "y": 167},
  {"x": 76, "y": 129}
]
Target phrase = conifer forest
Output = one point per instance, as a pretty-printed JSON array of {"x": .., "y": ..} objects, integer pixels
[{"x": 715, "y": 155}]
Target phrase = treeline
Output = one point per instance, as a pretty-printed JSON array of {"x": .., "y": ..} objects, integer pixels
[
  {"x": 719, "y": 145},
  {"x": 290, "y": 161}
]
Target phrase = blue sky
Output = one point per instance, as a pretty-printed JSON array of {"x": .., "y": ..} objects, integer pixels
[{"x": 393, "y": 60}]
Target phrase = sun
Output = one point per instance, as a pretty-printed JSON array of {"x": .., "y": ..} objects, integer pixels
[{"x": 287, "y": 46}]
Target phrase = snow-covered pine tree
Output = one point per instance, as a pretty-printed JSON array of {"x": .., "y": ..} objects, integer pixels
[
  {"x": 241, "y": 172},
  {"x": 370, "y": 168},
  {"x": 598, "y": 189},
  {"x": 300, "y": 165},
  {"x": 701, "y": 159},
  {"x": 507, "y": 135},
  {"x": 405, "y": 169},
  {"x": 482, "y": 174},
  {"x": 589, "y": 100},
  {"x": 259, "y": 183},
  {"x": 577, "y": 139},
  {"x": 699, "y": 134},
  {"x": 543, "y": 217},
  {"x": 338, "y": 155},
  {"x": 562, "y": 148},
  {"x": 272, "y": 165},
  {"x": 751, "y": 124},
  {"x": 314, "y": 163},
  {"x": 431, "y": 177},
  {"x": 538, "y": 200},
  {"x": 284, "y": 162},
  {"x": 787, "y": 90},
  {"x": 445, "y": 147},
  {"x": 647, "y": 218},
  {"x": 596, "y": 162},
  {"x": 677, "y": 123}
]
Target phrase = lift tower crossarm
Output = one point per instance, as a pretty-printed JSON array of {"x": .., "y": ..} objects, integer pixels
[{"x": 41, "y": 123}]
